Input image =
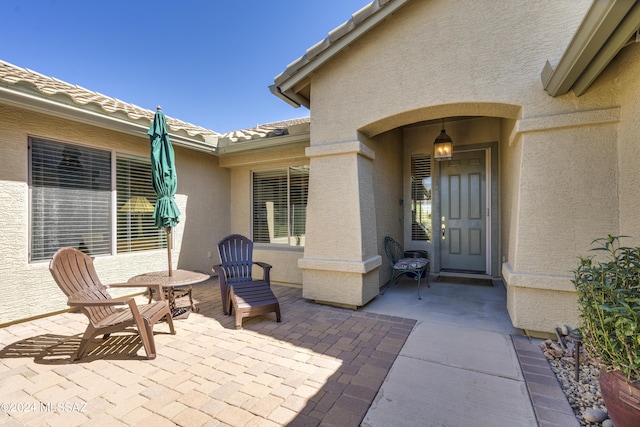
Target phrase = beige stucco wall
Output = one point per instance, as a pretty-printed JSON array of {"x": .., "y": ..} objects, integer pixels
[
  {"x": 558, "y": 161},
  {"x": 388, "y": 184},
  {"x": 510, "y": 161},
  {"x": 283, "y": 259},
  {"x": 408, "y": 69},
  {"x": 568, "y": 195},
  {"x": 341, "y": 255},
  {"x": 628, "y": 65},
  {"x": 28, "y": 288},
  {"x": 206, "y": 218}
]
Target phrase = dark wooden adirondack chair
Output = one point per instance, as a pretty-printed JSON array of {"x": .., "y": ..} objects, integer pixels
[
  {"x": 75, "y": 274},
  {"x": 238, "y": 290}
]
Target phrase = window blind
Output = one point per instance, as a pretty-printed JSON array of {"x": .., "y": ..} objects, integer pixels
[
  {"x": 270, "y": 206},
  {"x": 421, "y": 197},
  {"x": 136, "y": 198},
  {"x": 299, "y": 191},
  {"x": 279, "y": 205},
  {"x": 70, "y": 198}
]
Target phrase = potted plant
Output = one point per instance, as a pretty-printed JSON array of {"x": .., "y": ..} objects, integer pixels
[{"x": 608, "y": 289}]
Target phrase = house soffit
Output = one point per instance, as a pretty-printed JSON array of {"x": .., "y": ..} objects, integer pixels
[
  {"x": 607, "y": 28},
  {"x": 28, "y": 89},
  {"x": 292, "y": 85}
]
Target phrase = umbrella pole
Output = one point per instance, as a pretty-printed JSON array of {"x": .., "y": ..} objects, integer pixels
[{"x": 168, "y": 231}]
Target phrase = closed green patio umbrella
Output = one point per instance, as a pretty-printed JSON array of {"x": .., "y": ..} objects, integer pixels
[{"x": 163, "y": 178}]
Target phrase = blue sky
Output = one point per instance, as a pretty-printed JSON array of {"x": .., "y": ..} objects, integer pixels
[{"x": 207, "y": 62}]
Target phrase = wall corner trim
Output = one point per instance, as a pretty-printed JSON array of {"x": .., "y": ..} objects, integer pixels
[
  {"x": 341, "y": 266},
  {"x": 566, "y": 120},
  {"x": 341, "y": 148},
  {"x": 542, "y": 282}
]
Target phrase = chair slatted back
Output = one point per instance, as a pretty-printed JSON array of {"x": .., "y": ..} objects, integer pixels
[
  {"x": 76, "y": 276},
  {"x": 236, "y": 256},
  {"x": 393, "y": 250}
]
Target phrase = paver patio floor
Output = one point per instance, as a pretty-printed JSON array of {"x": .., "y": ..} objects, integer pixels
[{"x": 320, "y": 365}]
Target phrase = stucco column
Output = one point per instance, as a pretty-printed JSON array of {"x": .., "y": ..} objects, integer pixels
[
  {"x": 562, "y": 174},
  {"x": 340, "y": 263}
]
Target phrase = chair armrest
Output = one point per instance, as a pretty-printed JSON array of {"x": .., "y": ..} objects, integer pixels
[
  {"x": 98, "y": 303},
  {"x": 222, "y": 276},
  {"x": 266, "y": 268},
  {"x": 262, "y": 264},
  {"x": 155, "y": 288}
]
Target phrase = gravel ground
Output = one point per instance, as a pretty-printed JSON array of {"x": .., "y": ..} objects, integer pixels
[{"x": 583, "y": 395}]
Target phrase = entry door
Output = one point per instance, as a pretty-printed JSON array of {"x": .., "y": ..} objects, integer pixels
[{"x": 463, "y": 213}]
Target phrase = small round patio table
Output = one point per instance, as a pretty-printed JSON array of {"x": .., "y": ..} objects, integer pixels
[{"x": 176, "y": 286}]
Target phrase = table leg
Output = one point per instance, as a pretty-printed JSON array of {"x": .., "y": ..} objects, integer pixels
[
  {"x": 193, "y": 306},
  {"x": 171, "y": 298}
]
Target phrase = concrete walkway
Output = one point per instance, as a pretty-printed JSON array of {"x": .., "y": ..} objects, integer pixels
[
  {"x": 460, "y": 366},
  {"x": 458, "y": 363},
  {"x": 446, "y": 360}
]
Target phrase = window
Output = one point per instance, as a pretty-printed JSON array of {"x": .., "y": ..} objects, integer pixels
[
  {"x": 421, "y": 197},
  {"x": 280, "y": 205},
  {"x": 135, "y": 203},
  {"x": 70, "y": 199}
]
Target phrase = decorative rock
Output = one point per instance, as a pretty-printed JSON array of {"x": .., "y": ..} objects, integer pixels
[
  {"x": 557, "y": 347},
  {"x": 595, "y": 415},
  {"x": 583, "y": 395},
  {"x": 607, "y": 423}
]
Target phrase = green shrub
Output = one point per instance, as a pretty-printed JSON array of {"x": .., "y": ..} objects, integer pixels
[{"x": 608, "y": 289}]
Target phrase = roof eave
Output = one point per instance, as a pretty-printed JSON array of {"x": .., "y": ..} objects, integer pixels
[
  {"x": 292, "y": 99},
  {"x": 51, "y": 107},
  {"x": 271, "y": 142},
  {"x": 604, "y": 31}
]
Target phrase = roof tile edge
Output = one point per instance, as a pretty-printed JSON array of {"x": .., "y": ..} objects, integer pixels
[
  {"x": 14, "y": 76},
  {"x": 333, "y": 36}
]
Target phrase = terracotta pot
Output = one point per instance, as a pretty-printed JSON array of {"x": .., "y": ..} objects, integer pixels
[{"x": 621, "y": 398}]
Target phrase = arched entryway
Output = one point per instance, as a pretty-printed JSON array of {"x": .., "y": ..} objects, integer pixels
[{"x": 460, "y": 196}]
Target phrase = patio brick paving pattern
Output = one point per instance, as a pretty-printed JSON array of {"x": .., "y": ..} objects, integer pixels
[{"x": 321, "y": 365}]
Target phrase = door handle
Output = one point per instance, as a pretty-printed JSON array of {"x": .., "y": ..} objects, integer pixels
[{"x": 443, "y": 227}]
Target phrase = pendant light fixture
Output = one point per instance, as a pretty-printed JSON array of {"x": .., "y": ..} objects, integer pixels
[{"x": 442, "y": 146}]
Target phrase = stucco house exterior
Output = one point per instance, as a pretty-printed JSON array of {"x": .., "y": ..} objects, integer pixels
[
  {"x": 542, "y": 95},
  {"x": 539, "y": 99}
]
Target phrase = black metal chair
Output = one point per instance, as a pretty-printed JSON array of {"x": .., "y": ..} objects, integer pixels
[{"x": 415, "y": 267}]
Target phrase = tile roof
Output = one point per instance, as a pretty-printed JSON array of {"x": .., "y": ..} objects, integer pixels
[
  {"x": 25, "y": 80},
  {"x": 267, "y": 130}
]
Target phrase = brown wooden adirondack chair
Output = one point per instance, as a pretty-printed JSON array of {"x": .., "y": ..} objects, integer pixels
[
  {"x": 75, "y": 274},
  {"x": 238, "y": 290}
]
